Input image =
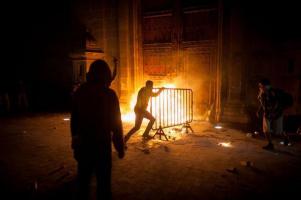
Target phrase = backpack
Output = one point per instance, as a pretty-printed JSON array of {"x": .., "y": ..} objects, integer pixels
[{"x": 285, "y": 99}]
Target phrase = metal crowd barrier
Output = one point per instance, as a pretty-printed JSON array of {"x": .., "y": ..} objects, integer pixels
[{"x": 173, "y": 107}]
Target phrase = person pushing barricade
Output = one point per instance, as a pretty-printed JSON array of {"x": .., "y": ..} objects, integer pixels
[{"x": 141, "y": 112}]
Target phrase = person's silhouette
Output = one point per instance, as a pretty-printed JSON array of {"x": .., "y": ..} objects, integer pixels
[
  {"x": 271, "y": 111},
  {"x": 95, "y": 116},
  {"x": 141, "y": 112}
]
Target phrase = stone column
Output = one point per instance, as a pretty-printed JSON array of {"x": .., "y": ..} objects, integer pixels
[
  {"x": 234, "y": 108},
  {"x": 219, "y": 61},
  {"x": 129, "y": 48}
]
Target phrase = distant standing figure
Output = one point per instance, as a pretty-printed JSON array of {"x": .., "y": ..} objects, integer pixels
[
  {"x": 143, "y": 97},
  {"x": 4, "y": 102},
  {"x": 22, "y": 99},
  {"x": 95, "y": 116},
  {"x": 271, "y": 111}
]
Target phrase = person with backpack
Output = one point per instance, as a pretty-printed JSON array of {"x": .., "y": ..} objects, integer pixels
[{"x": 271, "y": 108}]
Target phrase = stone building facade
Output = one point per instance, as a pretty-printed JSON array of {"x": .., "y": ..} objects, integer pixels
[{"x": 203, "y": 45}]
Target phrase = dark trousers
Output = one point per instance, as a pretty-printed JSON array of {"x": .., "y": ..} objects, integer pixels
[
  {"x": 102, "y": 170},
  {"x": 140, "y": 114}
]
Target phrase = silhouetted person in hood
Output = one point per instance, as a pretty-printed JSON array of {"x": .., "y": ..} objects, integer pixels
[{"x": 95, "y": 123}]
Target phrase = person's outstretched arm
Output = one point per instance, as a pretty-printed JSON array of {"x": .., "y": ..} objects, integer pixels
[
  {"x": 116, "y": 125},
  {"x": 260, "y": 108},
  {"x": 154, "y": 94}
]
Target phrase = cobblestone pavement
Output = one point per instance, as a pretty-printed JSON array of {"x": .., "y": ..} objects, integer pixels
[{"x": 36, "y": 162}]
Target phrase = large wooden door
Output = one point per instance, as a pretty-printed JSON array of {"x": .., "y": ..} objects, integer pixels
[{"x": 179, "y": 45}]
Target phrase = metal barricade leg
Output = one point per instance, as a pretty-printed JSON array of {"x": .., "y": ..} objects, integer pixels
[
  {"x": 187, "y": 126},
  {"x": 160, "y": 132}
]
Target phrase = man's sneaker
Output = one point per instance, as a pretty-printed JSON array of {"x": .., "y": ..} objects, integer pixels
[{"x": 270, "y": 146}]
